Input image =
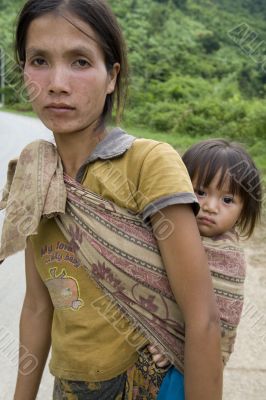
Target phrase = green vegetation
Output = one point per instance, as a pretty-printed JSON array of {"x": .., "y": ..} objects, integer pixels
[{"x": 198, "y": 69}]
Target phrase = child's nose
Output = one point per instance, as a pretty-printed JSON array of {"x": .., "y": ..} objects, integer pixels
[{"x": 210, "y": 205}]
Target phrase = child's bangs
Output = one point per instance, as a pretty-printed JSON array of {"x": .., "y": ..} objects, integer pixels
[{"x": 218, "y": 165}]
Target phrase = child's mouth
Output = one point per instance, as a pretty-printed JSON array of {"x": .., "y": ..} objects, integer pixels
[{"x": 206, "y": 221}]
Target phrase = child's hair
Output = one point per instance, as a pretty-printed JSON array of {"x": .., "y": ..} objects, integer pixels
[{"x": 207, "y": 158}]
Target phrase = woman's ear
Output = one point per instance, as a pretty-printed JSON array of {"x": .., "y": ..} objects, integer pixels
[{"x": 113, "y": 74}]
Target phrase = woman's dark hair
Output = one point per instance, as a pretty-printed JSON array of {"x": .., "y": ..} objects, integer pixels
[
  {"x": 207, "y": 158},
  {"x": 98, "y": 15}
]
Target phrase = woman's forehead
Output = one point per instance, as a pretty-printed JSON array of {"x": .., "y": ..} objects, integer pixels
[{"x": 68, "y": 32}]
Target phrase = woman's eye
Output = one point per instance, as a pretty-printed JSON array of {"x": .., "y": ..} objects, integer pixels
[
  {"x": 82, "y": 63},
  {"x": 228, "y": 200},
  {"x": 38, "y": 62}
]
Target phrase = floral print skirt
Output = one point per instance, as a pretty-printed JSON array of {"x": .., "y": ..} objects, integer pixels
[{"x": 142, "y": 381}]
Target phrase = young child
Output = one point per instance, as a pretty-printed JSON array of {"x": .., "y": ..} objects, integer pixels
[{"x": 227, "y": 184}]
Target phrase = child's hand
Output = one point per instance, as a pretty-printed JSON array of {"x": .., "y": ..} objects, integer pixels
[{"x": 160, "y": 360}]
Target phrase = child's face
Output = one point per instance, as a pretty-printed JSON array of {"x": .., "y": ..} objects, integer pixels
[{"x": 219, "y": 209}]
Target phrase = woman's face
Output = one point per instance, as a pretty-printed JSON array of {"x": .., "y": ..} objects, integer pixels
[{"x": 69, "y": 71}]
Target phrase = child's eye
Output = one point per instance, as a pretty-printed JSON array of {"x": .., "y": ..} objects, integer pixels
[
  {"x": 228, "y": 199},
  {"x": 82, "y": 63},
  {"x": 200, "y": 192}
]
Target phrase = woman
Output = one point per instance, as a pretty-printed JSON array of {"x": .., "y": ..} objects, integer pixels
[{"x": 72, "y": 52}]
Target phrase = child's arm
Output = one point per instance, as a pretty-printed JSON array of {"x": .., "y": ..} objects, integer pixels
[{"x": 186, "y": 265}]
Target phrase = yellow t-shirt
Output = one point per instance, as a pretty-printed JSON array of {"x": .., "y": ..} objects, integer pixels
[{"x": 141, "y": 175}]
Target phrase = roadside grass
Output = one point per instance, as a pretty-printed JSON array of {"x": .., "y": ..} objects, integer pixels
[
  {"x": 18, "y": 112},
  {"x": 180, "y": 141}
]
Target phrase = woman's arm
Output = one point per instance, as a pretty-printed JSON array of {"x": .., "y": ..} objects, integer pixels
[
  {"x": 35, "y": 331},
  {"x": 186, "y": 265}
]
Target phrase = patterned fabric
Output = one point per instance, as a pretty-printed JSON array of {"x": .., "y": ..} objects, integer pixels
[
  {"x": 40, "y": 179},
  {"x": 35, "y": 184},
  {"x": 121, "y": 254},
  {"x": 141, "y": 381},
  {"x": 129, "y": 269},
  {"x": 228, "y": 269},
  {"x": 79, "y": 390}
]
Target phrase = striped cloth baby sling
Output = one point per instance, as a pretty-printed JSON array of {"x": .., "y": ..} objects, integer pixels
[{"x": 118, "y": 250}]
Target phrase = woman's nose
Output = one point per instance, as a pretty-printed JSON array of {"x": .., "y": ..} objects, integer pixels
[{"x": 59, "y": 81}]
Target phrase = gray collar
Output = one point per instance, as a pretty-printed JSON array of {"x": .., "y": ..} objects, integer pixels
[{"x": 116, "y": 143}]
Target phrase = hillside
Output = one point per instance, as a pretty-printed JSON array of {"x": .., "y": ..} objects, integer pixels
[{"x": 197, "y": 67}]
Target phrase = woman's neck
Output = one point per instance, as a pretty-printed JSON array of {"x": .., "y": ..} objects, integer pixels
[{"x": 75, "y": 148}]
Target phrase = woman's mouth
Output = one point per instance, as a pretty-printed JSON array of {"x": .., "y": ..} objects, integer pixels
[{"x": 59, "y": 108}]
